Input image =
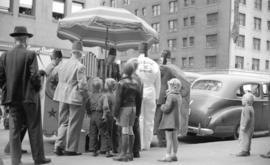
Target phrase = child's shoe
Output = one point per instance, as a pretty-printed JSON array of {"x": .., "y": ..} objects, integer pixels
[
  {"x": 174, "y": 158},
  {"x": 243, "y": 153},
  {"x": 95, "y": 153},
  {"x": 167, "y": 158},
  {"x": 108, "y": 154}
]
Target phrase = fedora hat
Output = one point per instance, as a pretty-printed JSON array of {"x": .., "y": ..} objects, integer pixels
[
  {"x": 77, "y": 46},
  {"x": 20, "y": 31}
]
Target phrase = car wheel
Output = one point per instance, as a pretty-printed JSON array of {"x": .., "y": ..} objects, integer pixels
[{"x": 236, "y": 132}]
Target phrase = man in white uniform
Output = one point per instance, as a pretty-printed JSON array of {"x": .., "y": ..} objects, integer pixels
[{"x": 148, "y": 71}]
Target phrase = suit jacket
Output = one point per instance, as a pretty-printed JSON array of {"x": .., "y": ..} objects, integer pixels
[
  {"x": 17, "y": 67},
  {"x": 72, "y": 82}
]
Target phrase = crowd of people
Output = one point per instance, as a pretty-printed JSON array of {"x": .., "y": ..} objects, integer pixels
[{"x": 122, "y": 112}]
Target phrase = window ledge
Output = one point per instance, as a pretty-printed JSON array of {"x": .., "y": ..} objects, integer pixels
[
  {"x": 27, "y": 16},
  {"x": 6, "y": 12}
]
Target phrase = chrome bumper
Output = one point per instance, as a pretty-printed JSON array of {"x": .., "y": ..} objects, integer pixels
[{"x": 200, "y": 131}]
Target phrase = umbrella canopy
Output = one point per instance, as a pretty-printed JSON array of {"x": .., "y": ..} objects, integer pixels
[{"x": 119, "y": 27}]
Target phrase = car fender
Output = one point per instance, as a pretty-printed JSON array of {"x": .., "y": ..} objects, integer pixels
[{"x": 226, "y": 120}]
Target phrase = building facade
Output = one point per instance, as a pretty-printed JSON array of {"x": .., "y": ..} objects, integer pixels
[
  {"x": 200, "y": 33},
  {"x": 41, "y": 19}
]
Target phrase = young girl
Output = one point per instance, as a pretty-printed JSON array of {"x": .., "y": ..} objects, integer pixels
[
  {"x": 246, "y": 124},
  {"x": 170, "y": 119}
]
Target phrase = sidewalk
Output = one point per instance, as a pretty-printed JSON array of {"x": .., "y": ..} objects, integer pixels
[{"x": 212, "y": 153}]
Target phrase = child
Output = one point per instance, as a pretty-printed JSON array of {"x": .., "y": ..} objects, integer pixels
[
  {"x": 109, "y": 87},
  {"x": 170, "y": 119},
  {"x": 94, "y": 108},
  {"x": 246, "y": 124}
]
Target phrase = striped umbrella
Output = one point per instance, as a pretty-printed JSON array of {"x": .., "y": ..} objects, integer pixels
[{"x": 106, "y": 27}]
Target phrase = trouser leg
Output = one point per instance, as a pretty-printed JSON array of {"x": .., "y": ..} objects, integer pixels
[
  {"x": 147, "y": 121},
  {"x": 245, "y": 141},
  {"x": 105, "y": 135},
  {"x": 137, "y": 138},
  {"x": 115, "y": 137},
  {"x": 62, "y": 125},
  {"x": 33, "y": 116},
  {"x": 160, "y": 133},
  {"x": 16, "y": 116},
  {"x": 74, "y": 127},
  {"x": 93, "y": 133}
]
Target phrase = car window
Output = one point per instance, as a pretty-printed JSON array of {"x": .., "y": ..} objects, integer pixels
[
  {"x": 253, "y": 88},
  {"x": 210, "y": 85}
]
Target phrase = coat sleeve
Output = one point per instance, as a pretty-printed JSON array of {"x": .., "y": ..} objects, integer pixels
[
  {"x": 105, "y": 105},
  {"x": 158, "y": 84},
  {"x": 167, "y": 107},
  {"x": 247, "y": 118},
  {"x": 2, "y": 71},
  {"x": 118, "y": 98}
]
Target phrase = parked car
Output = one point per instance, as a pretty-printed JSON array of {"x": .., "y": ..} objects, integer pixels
[
  {"x": 215, "y": 106},
  {"x": 192, "y": 76}
]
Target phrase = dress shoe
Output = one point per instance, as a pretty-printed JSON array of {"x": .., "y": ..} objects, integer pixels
[
  {"x": 136, "y": 154},
  {"x": 174, "y": 158},
  {"x": 108, "y": 154},
  {"x": 95, "y": 153},
  {"x": 165, "y": 159},
  {"x": 243, "y": 153},
  {"x": 59, "y": 151},
  {"x": 42, "y": 161},
  {"x": 71, "y": 153},
  {"x": 265, "y": 156},
  {"x": 121, "y": 158}
]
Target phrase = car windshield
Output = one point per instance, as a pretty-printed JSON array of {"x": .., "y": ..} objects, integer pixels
[{"x": 210, "y": 85}]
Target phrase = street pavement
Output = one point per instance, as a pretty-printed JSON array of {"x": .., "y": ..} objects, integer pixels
[{"x": 192, "y": 151}]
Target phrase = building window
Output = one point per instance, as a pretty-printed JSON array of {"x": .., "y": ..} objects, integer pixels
[
  {"x": 239, "y": 62},
  {"x": 156, "y": 10},
  {"x": 268, "y": 45},
  {"x": 113, "y": 3},
  {"x": 191, "y": 41},
  {"x": 192, "y": 2},
  {"x": 26, "y": 7},
  {"x": 184, "y": 42},
  {"x": 211, "y": 40},
  {"x": 255, "y": 64},
  {"x": 268, "y": 4},
  {"x": 267, "y": 65},
  {"x": 173, "y": 7},
  {"x": 136, "y": 12},
  {"x": 191, "y": 61},
  {"x": 155, "y": 47},
  {"x": 257, "y": 23},
  {"x": 268, "y": 25},
  {"x": 242, "y": 19},
  {"x": 172, "y": 25},
  {"x": 258, "y": 4},
  {"x": 241, "y": 41},
  {"x": 256, "y": 43},
  {"x": 76, "y": 6},
  {"x": 210, "y": 61},
  {"x": 156, "y": 26},
  {"x": 211, "y": 2},
  {"x": 172, "y": 44},
  {"x": 243, "y": 2},
  {"x": 5, "y": 5},
  {"x": 184, "y": 62},
  {"x": 143, "y": 11},
  {"x": 185, "y": 2},
  {"x": 185, "y": 21},
  {"x": 212, "y": 19},
  {"x": 58, "y": 9},
  {"x": 192, "y": 20},
  {"x": 125, "y": 2}
]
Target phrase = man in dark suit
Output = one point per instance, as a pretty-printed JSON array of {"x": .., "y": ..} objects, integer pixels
[{"x": 18, "y": 73}]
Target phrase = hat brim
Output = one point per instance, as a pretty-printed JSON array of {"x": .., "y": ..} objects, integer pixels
[{"x": 21, "y": 34}]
